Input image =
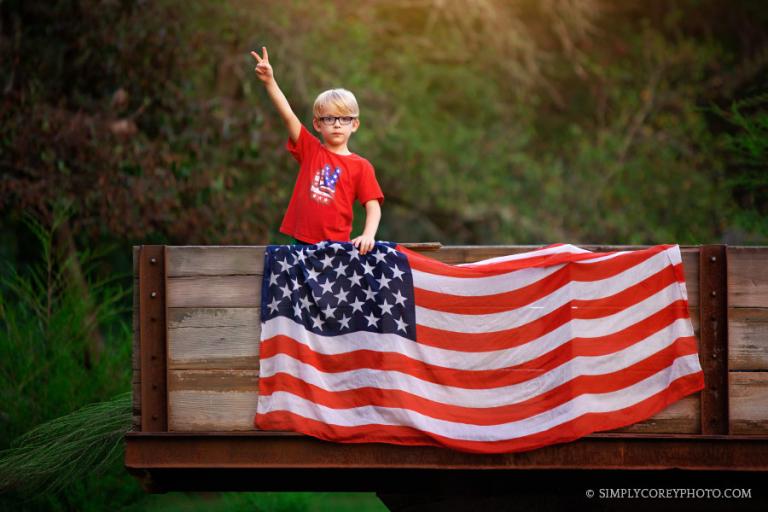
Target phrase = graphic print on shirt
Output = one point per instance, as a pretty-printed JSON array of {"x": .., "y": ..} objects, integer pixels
[{"x": 323, "y": 187}]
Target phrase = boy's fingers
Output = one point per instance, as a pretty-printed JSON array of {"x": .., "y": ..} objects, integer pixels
[
  {"x": 264, "y": 51},
  {"x": 256, "y": 56}
]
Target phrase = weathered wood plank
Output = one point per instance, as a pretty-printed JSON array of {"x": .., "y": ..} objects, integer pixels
[
  {"x": 218, "y": 260},
  {"x": 210, "y": 338},
  {"x": 681, "y": 417},
  {"x": 212, "y": 400},
  {"x": 214, "y": 291},
  {"x": 748, "y": 338},
  {"x": 748, "y": 409},
  {"x": 215, "y": 260},
  {"x": 748, "y": 277}
]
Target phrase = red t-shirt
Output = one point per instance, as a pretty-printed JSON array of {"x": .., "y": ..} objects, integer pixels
[{"x": 325, "y": 190}]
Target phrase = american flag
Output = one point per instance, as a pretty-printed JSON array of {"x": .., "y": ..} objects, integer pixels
[{"x": 502, "y": 355}]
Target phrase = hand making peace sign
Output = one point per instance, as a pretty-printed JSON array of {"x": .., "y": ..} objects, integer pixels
[{"x": 263, "y": 68}]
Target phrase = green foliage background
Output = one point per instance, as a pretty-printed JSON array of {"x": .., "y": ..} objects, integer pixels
[{"x": 493, "y": 122}]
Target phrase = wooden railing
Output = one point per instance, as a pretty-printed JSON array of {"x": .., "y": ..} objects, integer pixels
[{"x": 196, "y": 366}]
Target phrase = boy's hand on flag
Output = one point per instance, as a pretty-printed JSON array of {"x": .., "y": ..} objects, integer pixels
[
  {"x": 263, "y": 68},
  {"x": 364, "y": 243}
]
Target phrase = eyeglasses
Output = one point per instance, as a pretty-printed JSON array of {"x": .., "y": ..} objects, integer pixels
[{"x": 331, "y": 120}]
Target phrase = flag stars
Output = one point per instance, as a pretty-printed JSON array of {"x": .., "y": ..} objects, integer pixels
[
  {"x": 327, "y": 261},
  {"x": 373, "y": 290},
  {"x": 380, "y": 256},
  {"x": 386, "y": 307},
  {"x": 396, "y": 272},
  {"x": 369, "y": 294},
  {"x": 342, "y": 295},
  {"x": 327, "y": 287},
  {"x": 357, "y": 306},
  {"x": 286, "y": 266},
  {"x": 329, "y": 311},
  {"x": 383, "y": 281},
  {"x": 312, "y": 274},
  {"x": 372, "y": 319},
  {"x": 367, "y": 269},
  {"x": 340, "y": 270},
  {"x": 355, "y": 278}
]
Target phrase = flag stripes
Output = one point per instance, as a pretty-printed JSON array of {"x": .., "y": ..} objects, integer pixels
[{"x": 506, "y": 354}]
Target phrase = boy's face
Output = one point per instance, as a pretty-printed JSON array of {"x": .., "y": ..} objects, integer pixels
[{"x": 335, "y": 134}]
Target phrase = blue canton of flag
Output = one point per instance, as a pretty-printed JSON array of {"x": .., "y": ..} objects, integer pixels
[{"x": 331, "y": 289}]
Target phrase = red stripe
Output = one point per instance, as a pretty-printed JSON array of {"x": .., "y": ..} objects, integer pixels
[
  {"x": 424, "y": 263},
  {"x": 395, "y": 398},
  {"x": 469, "y": 379},
  {"x": 485, "y": 304},
  {"x": 568, "y": 431}
]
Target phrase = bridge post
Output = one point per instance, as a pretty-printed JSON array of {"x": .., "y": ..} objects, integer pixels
[
  {"x": 713, "y": 337},
  {"x": 153, "y": 335}
]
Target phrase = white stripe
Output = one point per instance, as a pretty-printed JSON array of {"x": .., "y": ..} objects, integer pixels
[
  {"x": 471, "y": 286},
  {"x": 493, "y": 322},
  {"x": 460, "y": 360},
  {"x": 578, "y": 406},
  {"x": 676, "y": 258},
  {"x": 464, "y": 397},
  {"x": 565, "y": 248},
  {"x": 517, "y": 279}
]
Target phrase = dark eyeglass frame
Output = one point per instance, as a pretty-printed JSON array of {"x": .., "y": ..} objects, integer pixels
[{"x": 331, "y": 120}]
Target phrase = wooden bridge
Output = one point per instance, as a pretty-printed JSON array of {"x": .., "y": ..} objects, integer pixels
[{"x": 196, "y": 368}]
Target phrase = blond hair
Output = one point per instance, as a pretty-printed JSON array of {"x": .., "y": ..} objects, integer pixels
[{"x": 342, "y": 100}]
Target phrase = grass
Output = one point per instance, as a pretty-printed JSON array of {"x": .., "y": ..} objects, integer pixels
[{"x": 63, "y": 414}]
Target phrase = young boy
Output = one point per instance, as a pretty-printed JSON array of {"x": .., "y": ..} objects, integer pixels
[{"x": 330, "y": 177}]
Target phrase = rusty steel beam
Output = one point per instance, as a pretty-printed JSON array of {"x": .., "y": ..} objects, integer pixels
[
  {"x": 152, "y": 338},
  {"x": 713, "y": 334},
  {"x": 261, "y": 450}
]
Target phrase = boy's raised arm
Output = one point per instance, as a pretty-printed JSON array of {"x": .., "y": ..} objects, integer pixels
[{"x": 266, "y": 75}]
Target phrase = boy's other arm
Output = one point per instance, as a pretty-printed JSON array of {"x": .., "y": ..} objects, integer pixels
[
  {"x": 265, "y": 73},
  {"x": 372, "y": 217},
  {"x": 365, "y": 241}
]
